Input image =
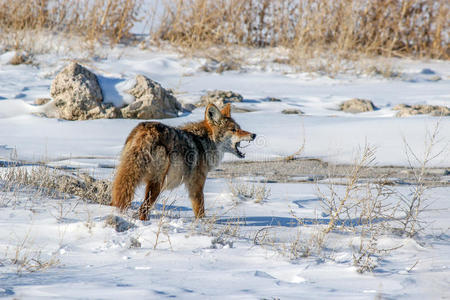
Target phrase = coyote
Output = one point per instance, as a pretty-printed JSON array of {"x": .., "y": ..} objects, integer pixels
[{"x": 163, "y": 157}]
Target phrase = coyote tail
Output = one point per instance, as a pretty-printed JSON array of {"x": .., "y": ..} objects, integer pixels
[{"x": 129, "y": 174}]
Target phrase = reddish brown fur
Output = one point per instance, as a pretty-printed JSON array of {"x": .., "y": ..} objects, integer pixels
[{"x": 164, "y": 157}]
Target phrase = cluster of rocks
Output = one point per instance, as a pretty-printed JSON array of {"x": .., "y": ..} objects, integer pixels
[
  {"x": 220, "y": 67},
  {"x": 272, "y": 99},
  {"x": 405, "y": 110},
  {"x": 220, "y": 98},
  {"x": 118, "y": 223},
  {"x": 292, "y": 112},
  {"x": 77, "y": 95},
  {"x": 357, "y": 105}
]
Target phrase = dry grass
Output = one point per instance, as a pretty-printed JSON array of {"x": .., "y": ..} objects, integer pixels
[
  {"x": 311, "y": 28},
  {"x": 53, "y": 182},
  {"x": 246, "y": 190},
  {"x": 29, "y": 259},
  {"x": 318, "y": 35},
  {"x": 92, "y": 20}
]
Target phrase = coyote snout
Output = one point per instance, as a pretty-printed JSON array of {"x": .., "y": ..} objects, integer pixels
[
  {"x": 238, "y": 137},
  {"x": 155, "y": 154}
]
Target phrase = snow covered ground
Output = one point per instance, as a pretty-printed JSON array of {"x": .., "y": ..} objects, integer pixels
[
  {"x": 329, "y": 134},
  {"x": 88, "y": 260},
  {"x": 78, "y": 257}
]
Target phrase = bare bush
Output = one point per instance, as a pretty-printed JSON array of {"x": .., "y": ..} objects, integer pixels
[
  {"x": 360, "y": 207},
  {"x": 413, "y": 205},
  {"x": 338, "y": 207},
  {"x": 371, "y": 215}
]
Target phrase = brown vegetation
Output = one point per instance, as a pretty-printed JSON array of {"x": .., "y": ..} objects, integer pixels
[
  {"x": 375, "y": 27},
  {"x": 342, "y": 29},
  {"x": 92, "y": 19}
]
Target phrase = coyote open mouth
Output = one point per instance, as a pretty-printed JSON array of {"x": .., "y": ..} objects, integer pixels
[{"x": 238, "y": 152}]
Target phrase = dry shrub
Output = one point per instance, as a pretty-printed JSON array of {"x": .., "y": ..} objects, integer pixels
[
  {"x": 53, "y": 182},
  {"x": 414, "y": 204},
  {"x": 28, "y": 259},
  {"x": 246, "y": 190},
  {"x": 308, "y": 27},
  {"x": 93, "y": 20}
]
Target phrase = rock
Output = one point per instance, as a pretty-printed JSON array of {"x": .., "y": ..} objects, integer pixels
[
  {"x": 237, "y": 110},
  {"x": 400, "y": 107},
  {"x": 189, "y": 107},
  {"x": 152, "y": 101},
  {"x": 405, "y": 110},
  {"x": 272, "y": 99},
  {"x": 77, "y": 94},
  {"x": 112, "y": 112},
  {"x": 42, "y": 101},
  {"x": 427, "y": 71},
  {"x": 134, "y": 243},
  {"x": 118, "y": 223},
  {"x": 219, "y": 98},
  {"x": 435, "y": 78},
  {"x": 292, "y": 112},
  {"x": 357, "y": 105},
  {"x": 220, "y": 67},
  {"x": 220, "y": 242}
]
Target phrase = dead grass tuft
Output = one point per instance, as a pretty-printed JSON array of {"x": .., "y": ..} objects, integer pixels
[
  {"x": 54, "y": 182},
  {"x": 246, "y": 190}
]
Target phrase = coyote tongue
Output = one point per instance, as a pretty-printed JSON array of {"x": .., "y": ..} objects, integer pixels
[{"x": 239, "y": 153}]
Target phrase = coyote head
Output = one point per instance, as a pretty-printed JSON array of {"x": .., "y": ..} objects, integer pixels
[{"x": 225, "y": 131}]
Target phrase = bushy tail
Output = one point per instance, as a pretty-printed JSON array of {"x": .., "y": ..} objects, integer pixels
[{"x": 129, "y": 174}]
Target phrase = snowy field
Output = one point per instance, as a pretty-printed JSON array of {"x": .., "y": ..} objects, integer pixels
[
  {"x": 329, "y": 134},
  {"x": 59, "y": 247}
]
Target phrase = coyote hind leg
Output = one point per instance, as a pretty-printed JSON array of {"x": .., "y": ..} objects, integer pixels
[{"x": 152, "y": 191}]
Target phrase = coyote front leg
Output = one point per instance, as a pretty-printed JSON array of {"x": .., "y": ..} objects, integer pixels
[{"x": 196, "y": 195}]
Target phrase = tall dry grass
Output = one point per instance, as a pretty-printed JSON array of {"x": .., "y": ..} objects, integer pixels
[
  {"x": 418, "y": 28},
  {"x": 336, "y": 29},
  {"x": 93, "y": 20}
]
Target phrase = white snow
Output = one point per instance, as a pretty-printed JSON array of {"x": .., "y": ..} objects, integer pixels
[
  {"x": 86, "y": 259},
  {"x": 94, "y": 261},
  {"x": 329, "y": 134}
]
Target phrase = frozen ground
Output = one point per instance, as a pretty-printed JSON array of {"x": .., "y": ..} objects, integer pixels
[
  {"x": 86, "y": 259},
  {"x": 77, "y": 257},
  {"x": 329, "y": 134}
]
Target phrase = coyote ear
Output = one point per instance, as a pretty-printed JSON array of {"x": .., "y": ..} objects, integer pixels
[
  {"x": 212, "y": 114},
  {"x": 226, "y": 111}
]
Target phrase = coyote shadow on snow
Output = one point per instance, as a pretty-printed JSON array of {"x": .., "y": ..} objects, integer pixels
[{"x": 260, "y": 221}]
